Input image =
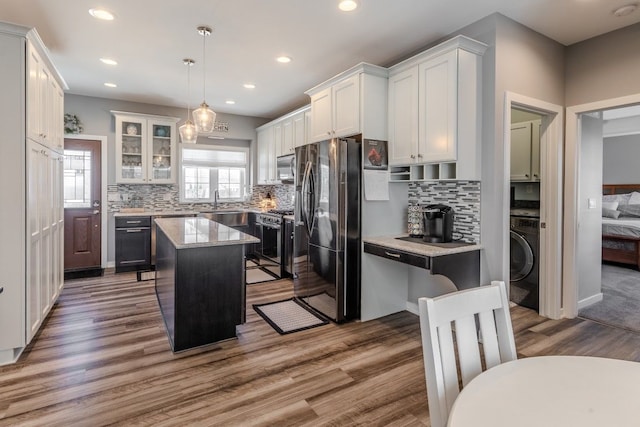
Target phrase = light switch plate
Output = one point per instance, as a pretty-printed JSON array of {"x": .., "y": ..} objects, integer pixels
[
  {"x": 591, "y": 203},
  {"x": 113, "y": 197}
]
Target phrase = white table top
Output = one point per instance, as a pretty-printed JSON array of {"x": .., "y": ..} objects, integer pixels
[{"x": 552, "y": 391}]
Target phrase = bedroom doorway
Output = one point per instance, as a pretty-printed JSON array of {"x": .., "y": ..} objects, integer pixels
[
  {"x": 580, "y": 197},
  {"x": 607, "y": 289}
]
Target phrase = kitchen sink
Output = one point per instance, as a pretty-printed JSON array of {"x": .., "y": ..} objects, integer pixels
[{"x": 230, "y": 218}]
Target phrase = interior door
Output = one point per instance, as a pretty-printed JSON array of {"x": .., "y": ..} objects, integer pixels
[{"x": 82, "y": 205}]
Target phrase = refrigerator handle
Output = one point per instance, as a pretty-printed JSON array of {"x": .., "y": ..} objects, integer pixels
[
  {"x": 304, "y": 202},
  {"x": 312, "y": 196}
]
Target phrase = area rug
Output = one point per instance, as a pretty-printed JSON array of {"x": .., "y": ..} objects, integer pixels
[
  {"x": 257, "y": 275},
  {"x": 620, "y": 306},
  {"x": 288, "y": 316}
]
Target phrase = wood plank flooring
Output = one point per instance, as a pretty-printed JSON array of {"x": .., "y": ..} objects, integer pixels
[{"x": 103, "y": 358}]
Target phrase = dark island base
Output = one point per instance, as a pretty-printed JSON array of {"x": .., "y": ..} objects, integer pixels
[{"x": 200, "y": 292}]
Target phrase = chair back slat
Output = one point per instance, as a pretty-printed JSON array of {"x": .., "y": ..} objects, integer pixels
[
  {"x": 489, "y": 334},
  {"x": 491, "y": 306},
  {"x": 468, "y": 350}
]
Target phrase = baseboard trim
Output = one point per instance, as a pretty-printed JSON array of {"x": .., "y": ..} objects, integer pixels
[{"x": 591, "y": 300}]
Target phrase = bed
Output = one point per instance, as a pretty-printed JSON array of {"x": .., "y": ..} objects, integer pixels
[{"x": 621, "y": 235}]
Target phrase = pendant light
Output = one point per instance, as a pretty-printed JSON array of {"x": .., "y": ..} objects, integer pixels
[
  {"x": 188, "y": 131},
  {"x": 204, "y": 117}
]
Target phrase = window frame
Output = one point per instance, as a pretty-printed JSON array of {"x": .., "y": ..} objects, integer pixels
[{"x": 244, "y": 186}]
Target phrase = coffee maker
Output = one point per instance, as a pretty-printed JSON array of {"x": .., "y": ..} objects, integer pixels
[{"x": 438, "y": 223}]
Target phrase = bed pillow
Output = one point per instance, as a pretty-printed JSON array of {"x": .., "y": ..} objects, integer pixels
[
  {"x": 610, "y": 213},
  {"x": 629, "y": 210},
  {"x": 622, "y": 199},
  {"x": 610, "y": 205},
  {"x": 635, "y": 198}
]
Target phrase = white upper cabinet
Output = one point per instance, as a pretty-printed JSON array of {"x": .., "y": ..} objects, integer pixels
[
  {"x": 44, "y": 102},
  {"x": 266, "y": 156},
  {"x": 434, "y": 109},
  {"x": 525, "y": 151},
  {"x": 339, "y": 107},
  {"x": 279, "y": 137},
  {"x": 146, "y": 151}
]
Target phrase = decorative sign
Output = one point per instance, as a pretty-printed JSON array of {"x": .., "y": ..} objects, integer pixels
[
  {"x": 375, "y": 154},
  {"x": 221, "y": 126}
]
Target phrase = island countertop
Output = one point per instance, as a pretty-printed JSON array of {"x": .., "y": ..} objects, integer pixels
[
  {"x": 200, "y": 232},
  {"x": 419, "y": 248}
]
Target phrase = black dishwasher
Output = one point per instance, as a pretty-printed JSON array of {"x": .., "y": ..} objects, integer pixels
[{"x": 133, "y": 243}]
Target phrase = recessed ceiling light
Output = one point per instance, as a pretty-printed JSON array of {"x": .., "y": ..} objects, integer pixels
[
  {"x": 347, "y": 5},
  {"x": 108, "y": 61},
  {"x": 110, "y": 85},
  {"x": 101, "y": 14},
  {"x": 230, "y": 101},
  {"x": 283, "y": 59},
  {"x": 625, "y": 10},
  {"x": 249, "y": 86}
]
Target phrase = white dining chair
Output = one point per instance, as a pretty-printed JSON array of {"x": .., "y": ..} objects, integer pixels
[{"x": 485, "y": 308}]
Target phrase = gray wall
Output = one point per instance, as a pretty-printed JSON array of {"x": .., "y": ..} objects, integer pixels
[
  {"x": 522, "y": 61},
  {"x": 603, "y": 67},
  {"x": 589, "y": 252},
  {"x": 621, "y": 155}
]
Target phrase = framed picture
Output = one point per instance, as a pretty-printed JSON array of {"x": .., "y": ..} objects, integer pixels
[{"x": 375, "y": 154}]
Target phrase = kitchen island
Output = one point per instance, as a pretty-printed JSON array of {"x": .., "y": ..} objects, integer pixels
[{"x": 200, "y": 280}]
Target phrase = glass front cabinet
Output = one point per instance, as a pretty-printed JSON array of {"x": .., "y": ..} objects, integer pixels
[{"x": 146, "y": 151}]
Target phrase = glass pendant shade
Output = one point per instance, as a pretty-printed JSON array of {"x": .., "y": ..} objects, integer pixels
[
  {"x": 188, "y": 132},
  {"x": 204, "y": 118}
]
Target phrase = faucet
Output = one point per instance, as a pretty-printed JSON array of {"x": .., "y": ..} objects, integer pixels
[{"x": 215, "y": 199}]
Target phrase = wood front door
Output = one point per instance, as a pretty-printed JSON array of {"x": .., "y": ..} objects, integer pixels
[{"x": 82, "y": 205}]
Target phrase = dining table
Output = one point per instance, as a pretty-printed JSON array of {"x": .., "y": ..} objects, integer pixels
[{"x": 551, "y": 391}]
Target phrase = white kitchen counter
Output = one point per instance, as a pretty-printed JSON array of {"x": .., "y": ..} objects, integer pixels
[{"x": 201, "y": 232}]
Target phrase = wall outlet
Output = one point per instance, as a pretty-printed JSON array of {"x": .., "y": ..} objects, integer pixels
[
  {"x": 113, "y": 197},
  {"x": 166, "y": 197},
  {"x": 124, "y": 197},
  {"x": 529, "y": 189}
]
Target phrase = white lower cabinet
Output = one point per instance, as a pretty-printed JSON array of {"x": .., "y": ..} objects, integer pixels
[{"x": 45, "y": 222}]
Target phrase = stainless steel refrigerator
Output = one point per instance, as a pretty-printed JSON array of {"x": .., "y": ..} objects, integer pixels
[{"x": 327, "y": 234}]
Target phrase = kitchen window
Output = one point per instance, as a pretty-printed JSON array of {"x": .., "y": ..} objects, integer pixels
[{"x": 207, "y": 168}]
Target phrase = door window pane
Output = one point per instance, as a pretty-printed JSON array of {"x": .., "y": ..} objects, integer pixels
[{"x": 77, "y": 179}]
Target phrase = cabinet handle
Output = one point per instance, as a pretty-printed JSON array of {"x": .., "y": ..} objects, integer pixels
[
  {"x": 526, "y": 175},
  {"x": 134, "y": 230},
  {"x": 419, "y": 155},
  {"x": 1, "y": 290},
  {"x": 392, "y": 254},
  {"x": 413, "y": 156},
  {"x": 134, "y": 222}
]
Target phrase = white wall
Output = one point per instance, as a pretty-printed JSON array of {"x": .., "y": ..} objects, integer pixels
[{"x": 621, "y": 160}]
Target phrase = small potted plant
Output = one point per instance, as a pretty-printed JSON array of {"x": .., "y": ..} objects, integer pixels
[{"x": 72, "y": 124}]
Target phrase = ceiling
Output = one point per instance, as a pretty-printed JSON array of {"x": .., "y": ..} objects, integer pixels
[{"x": 149, "y": 39}]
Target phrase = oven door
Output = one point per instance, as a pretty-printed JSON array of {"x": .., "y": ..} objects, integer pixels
[{"x": 271, "y": 247}]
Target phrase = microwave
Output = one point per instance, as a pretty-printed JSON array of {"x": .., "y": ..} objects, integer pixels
[{"x": 286, "y": 166}]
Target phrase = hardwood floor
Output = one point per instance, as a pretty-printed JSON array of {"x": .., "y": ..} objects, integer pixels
[{"x": 103, "y": 358}]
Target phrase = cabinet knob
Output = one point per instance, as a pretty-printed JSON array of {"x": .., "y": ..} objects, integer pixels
[
  {"x": 526, "y": 175},
  {"x": 419, "y": 155},
  {"x": 413, "y": 156},
  {"x": 328, "y": 132},
  {"x": 1, "y": 289}
]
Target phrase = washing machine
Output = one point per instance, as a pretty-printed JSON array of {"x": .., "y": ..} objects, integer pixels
[{"x": 525, "y": 250}]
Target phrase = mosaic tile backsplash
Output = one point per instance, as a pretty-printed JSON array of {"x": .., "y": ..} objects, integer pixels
[
  {"x": 462, "y": 196},
  {"x": 165, "y": 198}
]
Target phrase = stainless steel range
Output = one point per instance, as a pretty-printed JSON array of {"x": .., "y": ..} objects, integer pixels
[{"x": 269, "y": 228}]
